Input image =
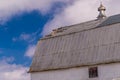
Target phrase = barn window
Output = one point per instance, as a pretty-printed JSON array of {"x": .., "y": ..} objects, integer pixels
[{"x": 93, "y": 72}]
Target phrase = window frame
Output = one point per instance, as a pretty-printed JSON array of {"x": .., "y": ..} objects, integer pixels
[{"x": 93, "y": 72}]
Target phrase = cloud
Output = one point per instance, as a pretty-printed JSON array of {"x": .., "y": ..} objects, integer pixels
[
  {"x": 30, "y": 51},
  {"x": 80, "y": 11},
  {"x": 29, "y": 38},
  {"x": 9, "y": 8},
  {"x": 12, "y": 71},
  {"x": 8, "y": 60},
  {"x": 23, "y": 36}
]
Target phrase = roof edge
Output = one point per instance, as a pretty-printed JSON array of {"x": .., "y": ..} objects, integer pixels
[{"x": 111, "y": 62}]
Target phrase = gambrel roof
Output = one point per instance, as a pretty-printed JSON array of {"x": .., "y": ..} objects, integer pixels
[{"x": 85, "y": 44}]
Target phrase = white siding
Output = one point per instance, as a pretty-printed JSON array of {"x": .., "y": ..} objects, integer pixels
[{"x": 105, "y": 72}]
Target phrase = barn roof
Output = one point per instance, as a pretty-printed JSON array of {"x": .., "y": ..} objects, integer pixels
[{"x": 89, "y": 43}]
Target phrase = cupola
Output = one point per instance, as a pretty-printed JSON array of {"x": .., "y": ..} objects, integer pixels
[{"x": 101, "y": 10}]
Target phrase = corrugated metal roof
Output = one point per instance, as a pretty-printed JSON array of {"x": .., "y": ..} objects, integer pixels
[
  {"x": 111, "y": 20},
  {"x": 77, "y": 27},
  {"x": 78, "y": 46}
]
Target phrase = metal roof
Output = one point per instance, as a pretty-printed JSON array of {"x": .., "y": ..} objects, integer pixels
[
  {"x": 79, "y": 45},
  {"x": 111, "y": 20}
]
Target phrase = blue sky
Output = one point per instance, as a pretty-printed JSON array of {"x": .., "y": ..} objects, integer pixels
[
  {"x": 24, "y": 22},
  {"x": 22, "y": 30}
]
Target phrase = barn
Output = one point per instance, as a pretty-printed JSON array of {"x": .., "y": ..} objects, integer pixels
[{"x": 85, "y": 51}]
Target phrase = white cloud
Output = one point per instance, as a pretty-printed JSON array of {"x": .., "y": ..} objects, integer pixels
[
  {"x": 30, "y": 51},
  {"x": 12, "y": 71},
  {"x": 12, "y": 7},
  {"x": 5, "y": 59},
  {"x": 22, "y": 37},
  {"x": 27, "y": 37},
  {"x": 80, "y": 11}
]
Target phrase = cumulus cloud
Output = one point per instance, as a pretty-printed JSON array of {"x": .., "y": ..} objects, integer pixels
[
  {"x": 80, "y": 11},
  {"x": 12, "y": 71},
  {"x": 30, "y": 51},
  {"x": 13, "y": 7}
]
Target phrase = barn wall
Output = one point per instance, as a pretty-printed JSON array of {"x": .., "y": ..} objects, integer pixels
[{"x": 105, "y": 72}]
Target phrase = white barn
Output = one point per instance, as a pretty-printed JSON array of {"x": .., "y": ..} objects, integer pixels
[{"x": 85, "y": 51}]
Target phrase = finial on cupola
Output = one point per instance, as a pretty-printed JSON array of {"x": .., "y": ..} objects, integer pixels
[{"x": 101, "y": 10}]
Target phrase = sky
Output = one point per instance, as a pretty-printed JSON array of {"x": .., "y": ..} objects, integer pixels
[{"x": 24, "y": 22}]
